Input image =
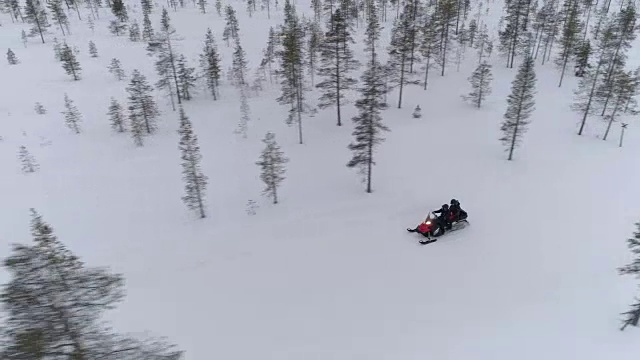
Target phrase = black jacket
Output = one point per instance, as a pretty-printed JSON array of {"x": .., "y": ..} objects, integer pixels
[{"x": 444, "y": 213}]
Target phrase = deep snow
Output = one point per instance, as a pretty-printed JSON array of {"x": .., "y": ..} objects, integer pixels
[{"x": 331, "y": 273}]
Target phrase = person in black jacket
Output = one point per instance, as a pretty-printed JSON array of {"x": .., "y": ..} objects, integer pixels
[
  {"x": 445, "y": 214},
  {"x": 455, "y": 209}
]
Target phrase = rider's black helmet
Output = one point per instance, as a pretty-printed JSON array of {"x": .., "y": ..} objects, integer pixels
[
  {"x": 454, "y": 202},
  {"x": 445, "y": 206}
]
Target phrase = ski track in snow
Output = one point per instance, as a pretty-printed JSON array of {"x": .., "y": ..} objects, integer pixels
[{"x": 331, "y": 273}]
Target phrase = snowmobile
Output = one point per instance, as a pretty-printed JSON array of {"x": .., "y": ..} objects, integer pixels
[{"x": 432, "y": 227}]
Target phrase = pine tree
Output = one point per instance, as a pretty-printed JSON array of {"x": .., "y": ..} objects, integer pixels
[
  {"x": 72, "y": 116},
  {"x": 35, "y": 15},
  {"x": 624, "y": 89},
  {"x": 116, "y": 116},
  {"x": 368, "y": 128},
  {"x": 11, "y": 57},
  {"x": 231, "y": 27},
  {"x": 66, "y": 301},
  {"x": 399, "y": 52},
  {"x": 292, "y": 68},
  {"x": 69, "y": 62},
  {"x": 134, "y": 32},
  {"x": 516, "y": 14},
  {"x": 337, "y": 63},
  {"x": 117, "y": 27},
  {"x": 120, "y": 11},
  {"x": 166, "y": 59},
  {"x": 202, "y": 5},
  {"x": 91, "y": 25},
  {"x": 186, "y": 78},
  {"x": 446, "y": 16},
  {"x": 239, "y": 64},
  {"x": 583, "y": 53},
  {"x": 245, "y": 111},
  {"x": 210, "y": 64},
  {"x": 251, "y": 7},
  {"x": 429, "y": 45},
  {"x": 59, "y": 15},
  {"x": 480, "y": 84},
  {"x": 115, "y": 68},
  {"x": 27, "y": 161},
  {"x": 520, "y": 105},
  {"x": 632, "y": 317},
  {"x": 585, "y": 95},
  {"x": 147, "y": 6},
  {"x": 25, "y": 39},
  {"x": 39, "y": 108},
  {"x": 219, "y": 7},
  {"x": 143, "y": 110},
  {"x": 269, "y": 53},
  {"x": 57, "y": 49},
  {"x": 92, "y": 49},
  {"x": 267, "y": 4},
  {"x": 272, "y": 167},
  {"x": 147, "y": 29},
  {"x": 195, "y": 181},
  {"x": 570, "y": 32},
  {"x": 314, "y": 44}
]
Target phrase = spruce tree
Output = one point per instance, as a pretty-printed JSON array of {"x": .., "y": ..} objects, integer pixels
[
  {"x": 632, "y": 317},
  {"x": 570, "y": 33},
  {"x": 11, "y": 57},
  {"x": 245, "y": 111},
  {"x": 511, "y": 37},
  {"x": 292, "y": 68},
  {"x": 202, "y": 5},
  {"x": 445, "y": 19},
  {"x": 429, "y": 45},
  {"x": 219, "y": 7},
  {"x": 314, "y": 45},
  {"x": 195, "y": 182},
  {"x": 210, "y": 64},
  {"x": 520, "y": 105},
  {"x": 166, "y": 59},
  {"x": 624, "y": 89},
  {"x": 92, "y": 49},
  {"x": 69, "y": 62},
  {"x": 147, "y": 29},
  {"x": 269, "y": 53},
  {"x": 119, "y": 9},
  {"x": 399, "y": 52},
  {"x": 39, "y": 109},
  {"x": 186, "y": 78},
  {"x": 480, "y": 84},
  {"x": 583, "y": 53},
  {"x": 337, "y": 63},
  {"x": 115, "y": 68},
  {"x": 134, "y": 32},
  {"x": 147, "y": 6},
  {"x": 35, "y": 15},
  {"x": 116, "y": 116},
  {"x": 59, "y": 15},
  {"x": 368, "y": 128},
  {"x": 72, "y": 116},
  {"x": 143, "y": 110},
  {"x": 239, "y": 64},
  {"x": 53, "y": 298},
  {"x": 25, "y": 39},
  {"x": 27, "y": 161},
  {"x": 57, "y": 49},
  {"x": 272, "y": 167},
  {"x": 231, "y": 27}
]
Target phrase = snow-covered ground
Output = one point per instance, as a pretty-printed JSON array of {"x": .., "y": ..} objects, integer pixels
[{"x": 330, "y": 272}]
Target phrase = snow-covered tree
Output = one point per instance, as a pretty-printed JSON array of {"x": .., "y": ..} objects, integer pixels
[
  {"x": 134, "y": 32},
  {"x": 11, "y": 57},
  {"x": 245, "y": 112},
  {"x": 400, "y": 52},
  {"x": 147, "y": 29},
  {"x": 520, "y": 105},
  {"x": 24, "y": 38},
  {"x": 272, "y": 167},
  {"x": 202, "y": 5},
  {"x": 59, "y": 15},
  {"x": 239, "y": 64},
  {"x": 69, "y": 62},
  {"x": 231, "y": 27},
  {"x": 480, "y": 84},
  {"x": 57, "y": 49},
  {"x": 119, "y": 9},
  {"x": 292, "y": 67},
  {"x": 368, "y": 128},
  {"x": 40, "y": 110},
  {"x": 314, "y": 44},
  {"x": 632, "y": 317},
  {"x": 27, "y": 161},
  {"x": 115, "y": 68},
  {"x": 337, "y": 62},
  {"x": 72, "y": 116},
  {"x": 516, "y": 16},
  {"x": 570, "y": 35},
  {"x": 93, "y": 50},
  {"x": 143, "y": 110},
  {"x": 210, "y": 64},
  {"x": 116, "y": 116},
  {"x": 269, "y": 53},
  {"x": 445, "y": 18},
  {"x": 195, "y": 182},
  {"x": 186, "y": 78},
  {"x": 624, "y": 90},
  {"x": 35, "y": 15},
  {"x": 165, "y": 65},
  {"x": 66, "y": 303},
  {"x": 219, "y": 7}
]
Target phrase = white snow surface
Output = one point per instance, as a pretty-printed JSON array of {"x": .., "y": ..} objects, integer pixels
[{"x": 330, "y": 272}]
